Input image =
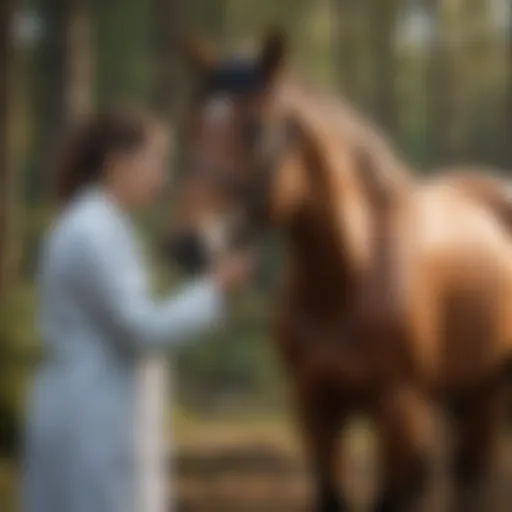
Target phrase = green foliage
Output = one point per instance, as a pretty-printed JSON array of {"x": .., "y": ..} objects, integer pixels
[
  {"x": 237, "y": 362},
  {"x": 122, "y": 33},
  {"x": 19, "y": 352}
]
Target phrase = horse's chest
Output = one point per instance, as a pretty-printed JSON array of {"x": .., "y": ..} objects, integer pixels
[{"x": 350, "y": 353}]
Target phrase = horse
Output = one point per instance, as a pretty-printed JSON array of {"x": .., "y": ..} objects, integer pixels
[{"x": 397, "y": 290}]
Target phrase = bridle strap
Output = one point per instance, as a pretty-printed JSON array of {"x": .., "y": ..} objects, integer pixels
[{"x": 256, "y": 192}]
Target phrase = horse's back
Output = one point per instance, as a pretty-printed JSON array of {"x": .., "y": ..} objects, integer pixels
[{"x": 460, "y": 283}]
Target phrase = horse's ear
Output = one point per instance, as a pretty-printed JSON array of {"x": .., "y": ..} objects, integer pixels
[
  {"x": 198, "y": 54},
  {"x": 273, "y": 55}
]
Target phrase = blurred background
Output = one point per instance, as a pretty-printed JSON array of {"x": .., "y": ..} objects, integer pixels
[{"x": 436, "y": 75}]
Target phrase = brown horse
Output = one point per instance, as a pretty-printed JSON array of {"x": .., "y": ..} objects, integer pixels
[{"x": 398, "y": 293}]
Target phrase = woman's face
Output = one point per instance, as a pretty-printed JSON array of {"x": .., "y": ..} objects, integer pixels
[{"x": 138, "y": 176}]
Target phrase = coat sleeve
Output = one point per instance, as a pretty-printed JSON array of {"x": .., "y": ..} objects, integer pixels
[{"x": 113, "y": 283}]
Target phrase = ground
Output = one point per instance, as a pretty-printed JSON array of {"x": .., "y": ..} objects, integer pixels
[{"x": 256, "y": 465}]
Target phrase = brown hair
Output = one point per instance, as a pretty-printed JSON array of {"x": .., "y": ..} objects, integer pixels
[{"x": 87, "y": 148}]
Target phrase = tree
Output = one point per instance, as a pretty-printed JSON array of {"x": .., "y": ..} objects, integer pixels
[
  {"x": 168, "y": 15},
  {"x": 442, "y": 92},
  {"x": 78, "y": 65},
  {"x": 60, "y": 84},
  {"x": 123, "y": 36},
  {"x": 9, "y": 203},
  {"x": 209, "y": 18},
  {"x": 479, "y": 86},
  {"x": 7, "y": 187},
  {"x": 347, "y": 33},
  {"x": 383, "y": 25},
  {"x": 508, "y": 123},
  {"x": 50, "y": 97}
]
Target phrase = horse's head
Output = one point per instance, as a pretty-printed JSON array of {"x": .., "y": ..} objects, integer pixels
[
  {"x": 237, "y": 141},
  {"x": 259, "y": 150}
]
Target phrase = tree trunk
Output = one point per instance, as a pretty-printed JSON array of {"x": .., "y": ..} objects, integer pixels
[
  {"x": 479, "y": 65},
  {"x": 47, "y": 96},
  {"x": 78, "y": 66},
  {"x": 8, "y": 189},
  {"x": 383, "y": 17},
  {"x": 508, "y": 122},
  {"x": 441, "y": 104},
  {"x": 209, "y": 17},
  {"x": 53, "y": 66},
  {"x": 168, "y": 78},
  {"x": 346, "y": 34},
  {"x": 61, "y": 89}
]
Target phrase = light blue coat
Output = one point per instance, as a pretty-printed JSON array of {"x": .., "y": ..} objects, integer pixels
[{"x": 99, "y": 322}]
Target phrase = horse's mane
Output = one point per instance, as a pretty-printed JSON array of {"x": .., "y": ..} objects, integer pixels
[
  {"x": 361, "y": 175},
  {"x": 340, "y": 132}
]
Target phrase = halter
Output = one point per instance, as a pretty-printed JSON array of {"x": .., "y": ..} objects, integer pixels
[
  {"x": 256, "y": 192},
  {"x": 238, "y": 78}
]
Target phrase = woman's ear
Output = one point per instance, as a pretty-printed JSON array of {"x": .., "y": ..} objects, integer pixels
[
  {"x": 200, "y": 56},
  {"x": 273, "y": 55}
]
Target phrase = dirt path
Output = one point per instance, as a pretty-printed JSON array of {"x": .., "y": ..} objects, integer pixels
[{"x": 259, "y": 474}]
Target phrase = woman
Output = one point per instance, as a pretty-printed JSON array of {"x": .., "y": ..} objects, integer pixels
[{"x": 95, "y": 420}]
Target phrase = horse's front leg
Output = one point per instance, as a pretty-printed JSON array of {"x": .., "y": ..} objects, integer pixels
[
  {"x": 321, "y": 425},
  {"x": 475, "y": 441},
  {"x": 404, "y": 427}
]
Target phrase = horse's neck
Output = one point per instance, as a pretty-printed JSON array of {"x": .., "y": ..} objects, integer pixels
[
  {"x": 322, "y": 271},
  {"x": 336, "y": 239},
  {"x": 329, "y": 280}
]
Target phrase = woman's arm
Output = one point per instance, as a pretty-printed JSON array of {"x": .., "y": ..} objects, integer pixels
[{"x": 115, "y": 285}]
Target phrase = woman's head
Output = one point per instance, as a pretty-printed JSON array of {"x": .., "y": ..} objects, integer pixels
[{"x": 124, "y": 151}]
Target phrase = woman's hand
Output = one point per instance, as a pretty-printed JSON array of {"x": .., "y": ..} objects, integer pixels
[{"x": 233, "y": 271}]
